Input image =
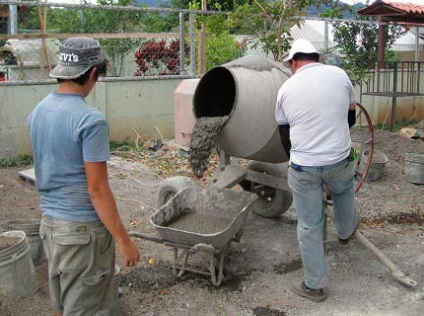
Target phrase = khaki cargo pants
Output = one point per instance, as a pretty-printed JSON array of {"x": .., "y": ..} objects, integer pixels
[{"x": 81, "y": 265}]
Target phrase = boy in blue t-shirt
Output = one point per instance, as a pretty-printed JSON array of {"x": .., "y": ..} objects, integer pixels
[{"x": 80, "y": 220}]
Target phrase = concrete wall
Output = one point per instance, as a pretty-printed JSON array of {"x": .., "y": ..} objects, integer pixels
[
  {"x": 144, "y": 105},
  {"x": 407, "y": 106}
]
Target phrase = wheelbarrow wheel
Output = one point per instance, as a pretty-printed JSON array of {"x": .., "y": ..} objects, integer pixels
[
  {"x": 271, "y": 202},
  {"x": 169, "y": 187}
]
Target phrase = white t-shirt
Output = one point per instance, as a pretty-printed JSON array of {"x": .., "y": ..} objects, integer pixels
[{"x": 315, "y": 103}]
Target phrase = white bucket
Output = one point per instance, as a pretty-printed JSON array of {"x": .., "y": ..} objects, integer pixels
[
  {"x": 17, "y": 273},
  {"x": 31, "y": 229}
]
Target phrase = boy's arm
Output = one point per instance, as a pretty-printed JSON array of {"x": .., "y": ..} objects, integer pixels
[{"x": 104, "y": 203}]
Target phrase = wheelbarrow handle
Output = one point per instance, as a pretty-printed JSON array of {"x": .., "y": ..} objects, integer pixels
[{"x": 147, "y": 237}]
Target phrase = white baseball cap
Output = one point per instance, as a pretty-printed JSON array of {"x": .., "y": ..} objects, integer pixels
[{"x": 300, "y": 45}]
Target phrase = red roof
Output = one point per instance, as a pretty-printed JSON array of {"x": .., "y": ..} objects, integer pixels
[
  {"x": 395, "y": 11},
  {"x": 408, "y": 7}
]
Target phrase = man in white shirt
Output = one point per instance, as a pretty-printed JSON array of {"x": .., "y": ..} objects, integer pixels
[{"x": 315, "y": 108}]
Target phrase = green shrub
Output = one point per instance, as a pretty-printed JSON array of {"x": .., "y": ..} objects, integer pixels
[
  {"x": 222, "y": 48},
  {"x": 18, "y": 161}
]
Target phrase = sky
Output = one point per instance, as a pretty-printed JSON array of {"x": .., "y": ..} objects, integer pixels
[
  {"x": 371, "y": 1},
  {"x": 351, "y": 2}
]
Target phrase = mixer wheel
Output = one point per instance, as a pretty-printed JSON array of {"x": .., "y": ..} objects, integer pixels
[
  {"x": 271, "y": 202},
  {"x": 171, "y": 186}
]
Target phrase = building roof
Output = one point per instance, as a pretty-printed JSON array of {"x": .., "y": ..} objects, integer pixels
[{"x": 396, "y": 11}]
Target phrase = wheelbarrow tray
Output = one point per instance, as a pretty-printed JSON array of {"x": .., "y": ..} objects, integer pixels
[{"x": 211, "y": 216}]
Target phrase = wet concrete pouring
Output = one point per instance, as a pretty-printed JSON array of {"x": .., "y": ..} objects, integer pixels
[
  {"x": 203, "y": 140},
  {"x": 260, "y": 269}
]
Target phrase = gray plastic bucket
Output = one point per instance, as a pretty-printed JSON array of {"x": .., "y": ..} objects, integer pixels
[
  {"x": 359, "y": 142},
  {"x": 31, "y": 228},
  {"x": 414, "y": 168},
  {"x": 379, "y": 160},
  {"x": 17, "y": 273}
]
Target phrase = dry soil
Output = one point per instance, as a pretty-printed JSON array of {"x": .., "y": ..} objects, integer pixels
[{"x": 260, "y": 269}]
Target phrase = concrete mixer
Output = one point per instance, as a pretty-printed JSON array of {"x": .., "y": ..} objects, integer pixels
[{"x": 245, "y": 91}]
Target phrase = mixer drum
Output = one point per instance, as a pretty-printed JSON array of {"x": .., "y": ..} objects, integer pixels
[{"x": 246, "y": 90}]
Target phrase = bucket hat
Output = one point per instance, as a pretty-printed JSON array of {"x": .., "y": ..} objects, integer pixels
[
  {"x": 299, "y": 46},
  {"x": 76, "y": 56}
]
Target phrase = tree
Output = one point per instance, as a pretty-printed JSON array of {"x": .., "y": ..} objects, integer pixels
[
  {"x": 357, "y": 43},
  {"x": 225, "y": 5},
  {"x": 221, "y": 46},
  {"x": 270, "y": 22}
]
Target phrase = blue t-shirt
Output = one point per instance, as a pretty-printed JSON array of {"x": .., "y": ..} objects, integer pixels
[{"x": 66, "y": 132}]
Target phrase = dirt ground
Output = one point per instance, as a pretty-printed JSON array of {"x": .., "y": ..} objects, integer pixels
[{"x": 260, "y": 269}]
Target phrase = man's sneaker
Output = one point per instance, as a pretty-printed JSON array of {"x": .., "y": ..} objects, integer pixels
[
  {"x": 311, "y": 294},
  {"x": 352, "y": 236}
]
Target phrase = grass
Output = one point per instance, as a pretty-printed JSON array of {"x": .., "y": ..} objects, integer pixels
[
  {"x": 22, "y": 160},
  {"x": 398, "y": 126},
  {"x": 121, "y": 146},
  {"x": 25, "y": 160}
]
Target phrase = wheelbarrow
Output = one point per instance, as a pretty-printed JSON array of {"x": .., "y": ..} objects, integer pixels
[{"x": 204, "y": 222}]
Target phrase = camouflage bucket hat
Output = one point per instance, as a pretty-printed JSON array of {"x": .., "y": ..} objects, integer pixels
[{"x": 77, "y": 55}]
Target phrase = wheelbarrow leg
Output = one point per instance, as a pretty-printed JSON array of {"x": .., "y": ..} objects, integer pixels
[
  {"x": 184, "y": 257},
  {"x": 217, "y": 279}
]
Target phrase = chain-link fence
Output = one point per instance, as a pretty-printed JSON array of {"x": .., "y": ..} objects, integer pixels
[
  {"x": 146, "y": 42},
  {"x": 354, "y": 45},
  {"x": 137, "y": 41}
]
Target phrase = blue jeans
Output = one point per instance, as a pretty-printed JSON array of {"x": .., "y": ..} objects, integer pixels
[{"x": 306, "y": 184}]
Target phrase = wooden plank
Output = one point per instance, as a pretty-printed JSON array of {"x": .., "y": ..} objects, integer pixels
[
  {"x": 28, "y": 175},
  {"x": 4, "y": 11}
]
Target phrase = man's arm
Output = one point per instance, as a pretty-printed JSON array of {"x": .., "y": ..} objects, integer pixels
[
  {"x": 285, "y": 138},
  {"x": 351, "y": 115},
  {"x": 104, "y": 203}
]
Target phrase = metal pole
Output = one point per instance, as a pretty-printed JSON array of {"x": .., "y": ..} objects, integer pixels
[
  {"x": 417, "y": 38},
  {"x": 182, "y": 45},
  {"x": 13, "y": 19},
  {"x": 192, "y": 44},
  {"x": 394, "y": 97},
  {"x": 381, "y": 43},
  {"x": 202, "y": 44},
  {"x": 81, "y": 21},
  {"x": 326, "y": 36}
]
